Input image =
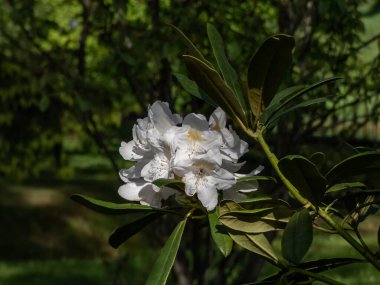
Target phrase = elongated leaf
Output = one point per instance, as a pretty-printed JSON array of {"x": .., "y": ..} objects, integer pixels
[
  {"x": 227, "y": 206},
  {"x": 219, "y": 234},
  {"x": 352, "y": 166},
  {"x": 257, "y": 177},
  {"x": 318, "y": 158},
  {"x": 256, "y": 243},
  {"x": 122, "y": 234},
  {"x": 192, "y": 48},
  {"x": 110, "y": 208},
  {"x": 210, "y": 81},
  {"x": 191, "y": 87},
  {"x": 273, "y": 120},
  {"x": 277, "y": 100},
  {"x": 161, "y": 269},
  {"x": 294, "y": 96},
  {"x": 328, "y": 264},
  {"x": 305, "y": 176},
  {"x": 171, "y": 183},
  {"x": 344, "y": 186},
  {"x": 297, "y": 237},
  {"x": 228, "y": 72},
  {"x": 263, "y": 202},
  {"x": 268, "y": 67},
  {"x": 256, "y": 221},
  {"x": 315, "y": 266}
]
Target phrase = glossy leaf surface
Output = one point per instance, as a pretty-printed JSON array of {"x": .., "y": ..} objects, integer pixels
[
  {"x": 110, "y": 208},
  {"x": 219, "y": 234},
  {"x": 268, "y": 67},
  {"x": 161, "y": 269},
  {"x": 123, "y": 233},
  {"x": 297, "y": 237},
  {"x": 305, "y": 176}
]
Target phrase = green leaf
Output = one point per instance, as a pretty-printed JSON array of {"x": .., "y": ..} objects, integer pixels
[
  {"x": 318, "y": 158},
  {"x": 321, "y": 265},
  {"x": 209, "y": 80},
  {"x": 263, "y": 202},
  {"x": 110, "y": 208},
  {"x": 257, "y": 177},
  {"x": 227, "y": 206},
  {"x": 305, "y": 176},
  {"x": 378, "y": 237},
  {"x": 274, "y": 119},
  {"x": 171, "y": 183},
  {"x": 268, "y": 67},
  {"x": 353, "y": 165},
  {"x": 297, "y": 237},
  {"x": 228, "y": 72},
  {"x": 124, "y": 232},
  {"x": 256, "y": 220},
  {"x": 219, "y": 234},
  {"x": 344, "y": 186},
  {"x": 256, "y": 243},
  {"x": 277, "y": 100},
  {"x": 192, "y": 48},
  {"x": 292, "y": 96},
  {"x": 191, "y": 87},
  {"x": 161, "y": 269},
  {"x": 315, "y": 266}
]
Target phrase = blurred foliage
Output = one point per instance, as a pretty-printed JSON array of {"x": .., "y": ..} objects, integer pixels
[{"x": 82, "y": 71}]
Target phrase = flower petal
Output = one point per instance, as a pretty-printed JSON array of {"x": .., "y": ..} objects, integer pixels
[
  {"x": 127, "y": 151},
  {"x": 196, "y": 121},
  {"x": 208, "y": 195}
]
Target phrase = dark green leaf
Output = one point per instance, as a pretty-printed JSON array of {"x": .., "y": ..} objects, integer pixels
[
  {"x": 315, "y": 266},
  {"x": 353, "y": 165},
  {"x": 367, "y": 210},
  {"x": 171, "y": 183},
  {"x": 268, "y": 67},
  {"x": 256, "y": 220},
  {"x": 210, "y": 81},
  {"x": 219, "y": 234},
  {"x": 321, "y": 265},
  {"x": 263, "y": 202},
  {"x": 192, "y": 48},
  {"x": 257, "y": 177},
  {"x": 297, "y": 237},
  {"x": 274, "y": 119},
  {"x": 292, "y": 96},
  {"x": 256, "y": 243},
  {"x": 276, "y": 101},
  {"x": 161, "y": 269},
  {"x": 228, "y": 72},
  {"x": 123, "y": 233},
  {"x": 318, "y": 158},
  {"x": 110, "y": 208},
  {"x": 344, "y": 186},
  {"x": 305, "y": 176},
  {"x": 378, "y": 237},
  {"x": 191, "y": 87}
]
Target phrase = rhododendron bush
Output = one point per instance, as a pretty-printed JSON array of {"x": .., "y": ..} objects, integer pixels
[{"x": 191, "y": 167}]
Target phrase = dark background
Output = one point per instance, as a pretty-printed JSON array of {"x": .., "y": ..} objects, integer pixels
[{"x": 75, "y": 76}]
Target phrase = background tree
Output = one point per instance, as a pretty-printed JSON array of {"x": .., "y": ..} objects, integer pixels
[{"x": 85, "y": 70}]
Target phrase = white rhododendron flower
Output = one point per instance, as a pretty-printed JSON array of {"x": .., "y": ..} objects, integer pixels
[{"x": 202, "y": 153}]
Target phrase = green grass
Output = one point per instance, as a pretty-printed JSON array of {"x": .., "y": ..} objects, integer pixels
[{"x": 57, "y": 272}]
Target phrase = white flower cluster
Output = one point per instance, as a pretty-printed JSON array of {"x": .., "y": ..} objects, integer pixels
[{"x": 203, "y": 154}]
